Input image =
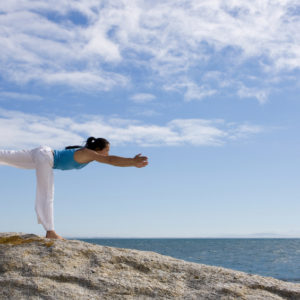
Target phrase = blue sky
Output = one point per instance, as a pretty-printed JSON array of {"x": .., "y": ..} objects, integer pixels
[{"x": 208, "y": 90}]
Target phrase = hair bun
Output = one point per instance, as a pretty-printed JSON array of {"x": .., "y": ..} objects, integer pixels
[
  {"x": 91, "y": 139},
  {"x": 93, "y": 143}
]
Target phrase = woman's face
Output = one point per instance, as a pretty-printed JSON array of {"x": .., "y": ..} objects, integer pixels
[{"x": 104, "y": 151}]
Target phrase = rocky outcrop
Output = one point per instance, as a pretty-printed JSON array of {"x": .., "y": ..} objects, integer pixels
[{"x": 33, "y": 267}]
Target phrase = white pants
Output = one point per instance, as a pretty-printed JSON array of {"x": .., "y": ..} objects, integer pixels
[{"x": 40, "y": 159}]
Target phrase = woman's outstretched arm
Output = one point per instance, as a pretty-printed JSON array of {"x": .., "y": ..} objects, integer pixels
[
  {"x": 138, "y": 161},
  {"x": 87, "y": 155}
]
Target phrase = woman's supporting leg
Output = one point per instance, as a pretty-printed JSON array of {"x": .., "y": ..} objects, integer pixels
[{"x": 43, "y": 159}]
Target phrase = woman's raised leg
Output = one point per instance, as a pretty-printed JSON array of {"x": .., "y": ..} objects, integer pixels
[{"x": 17, "y": 158}]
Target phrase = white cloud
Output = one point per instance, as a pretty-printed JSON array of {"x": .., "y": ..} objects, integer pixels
[
  {"x": 145, "y": 112},
  {"x": 195, "y": 92},
  {"x": 142, "y": 98},
  {"x": 28, "y": 130},
  {"x": 191, "y": 90},
  {"x": 86, "y": 80},
  {"x": 168, "y": 37},
  {"x": 199, "y": 132},
  {"x": 35, "y": 48},
  {"x": 19, "y": 96},
  {"x": 260, "y": 94},
  {"x": 243, "y": 130}
]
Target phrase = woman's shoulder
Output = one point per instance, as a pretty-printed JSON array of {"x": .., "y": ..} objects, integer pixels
[{"x": 84, "y": 155}]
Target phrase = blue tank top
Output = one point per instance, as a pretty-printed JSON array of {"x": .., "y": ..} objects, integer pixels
[{"x": 64, "y": 160}]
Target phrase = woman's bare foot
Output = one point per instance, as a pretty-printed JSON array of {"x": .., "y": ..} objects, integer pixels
[{"x": 51, "y": 234}]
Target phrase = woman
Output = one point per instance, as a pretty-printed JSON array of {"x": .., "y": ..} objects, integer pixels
[{"x": 44, "y": 160}]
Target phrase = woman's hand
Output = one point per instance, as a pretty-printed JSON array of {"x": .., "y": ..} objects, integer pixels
[{"x": 140, "y": 161}]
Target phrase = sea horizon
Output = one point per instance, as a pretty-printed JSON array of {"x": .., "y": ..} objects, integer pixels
[{"x": 254, "y": 236}]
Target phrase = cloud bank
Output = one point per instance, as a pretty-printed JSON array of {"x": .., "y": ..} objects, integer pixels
[
  {"x": 28, "y": 130},
  {"x": 87, "y": 44}
]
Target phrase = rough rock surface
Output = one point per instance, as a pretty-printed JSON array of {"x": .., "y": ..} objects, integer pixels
[{"x": 33, "y": 267}]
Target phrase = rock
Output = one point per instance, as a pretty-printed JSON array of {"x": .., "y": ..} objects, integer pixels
[{"x": 33, "y": 267}]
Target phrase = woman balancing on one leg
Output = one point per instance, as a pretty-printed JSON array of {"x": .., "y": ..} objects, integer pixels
[{"x": 44, "y": 160}]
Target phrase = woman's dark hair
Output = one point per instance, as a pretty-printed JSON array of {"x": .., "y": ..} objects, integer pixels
[{"x": 93, "y": 144}]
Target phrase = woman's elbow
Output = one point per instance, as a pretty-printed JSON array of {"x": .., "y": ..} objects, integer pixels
[{"x": 102, "y": 159}]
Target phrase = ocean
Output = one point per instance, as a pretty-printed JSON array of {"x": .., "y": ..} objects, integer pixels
[{"x": 278, "y": 258}]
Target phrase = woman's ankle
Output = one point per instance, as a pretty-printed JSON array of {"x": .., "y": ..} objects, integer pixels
[{"x": 51, "y": 234}]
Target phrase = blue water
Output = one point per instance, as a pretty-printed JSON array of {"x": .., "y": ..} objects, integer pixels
[{"x": 278, "y": 258}]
